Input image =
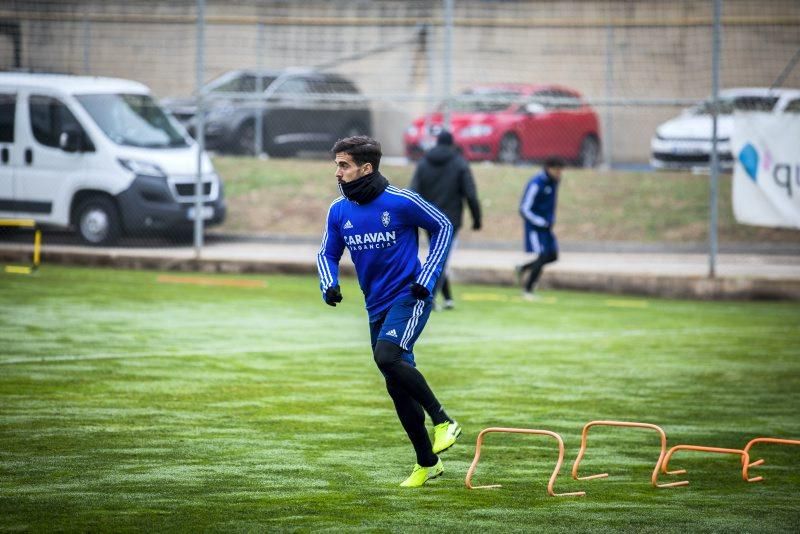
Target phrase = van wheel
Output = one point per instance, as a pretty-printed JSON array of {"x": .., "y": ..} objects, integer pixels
[
  {"x": 508, "y": 152},
  {"x": 97, "y": 220},
  {"x": 590, "y": 152}
]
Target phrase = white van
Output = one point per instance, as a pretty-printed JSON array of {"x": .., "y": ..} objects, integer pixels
[{"x": 98, "y": 155}]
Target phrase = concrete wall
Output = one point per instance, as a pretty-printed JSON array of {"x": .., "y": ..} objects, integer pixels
[{"x": 654, "y": 49}]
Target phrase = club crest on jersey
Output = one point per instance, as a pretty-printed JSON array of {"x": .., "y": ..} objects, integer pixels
[{"x": 385, "y": 219}]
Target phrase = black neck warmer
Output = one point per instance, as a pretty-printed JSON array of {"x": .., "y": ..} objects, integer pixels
[{"x": 365, "y": 189}]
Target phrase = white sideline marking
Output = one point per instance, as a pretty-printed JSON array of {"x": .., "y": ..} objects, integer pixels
[{"x": 295, "y": 348}]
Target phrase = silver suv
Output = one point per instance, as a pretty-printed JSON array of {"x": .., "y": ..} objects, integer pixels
[{"x": 300, "y": 110}]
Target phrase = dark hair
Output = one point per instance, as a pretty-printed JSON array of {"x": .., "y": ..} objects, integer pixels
[
  {"x": 363, "y": 149},
  {"x": 554, "y": 163},
  {"x": 444, "y": 138}
]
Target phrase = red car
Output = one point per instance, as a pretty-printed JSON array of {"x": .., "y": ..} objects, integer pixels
[{"x": 510, "y": 123}]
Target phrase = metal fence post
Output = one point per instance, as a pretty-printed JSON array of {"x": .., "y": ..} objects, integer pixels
[
  {"x": 87, "y": 46},
  {"x": 608, "y": 150},
  {"x": 259, "y": 122},
  {"x": 447, "y": 63},
  {"x": 430, "y": 105},
  {"x": 200, "y": 134},
  {"x": 713, "y": 216}
]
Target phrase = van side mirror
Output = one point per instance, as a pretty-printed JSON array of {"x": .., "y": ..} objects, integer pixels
[
  {"x": 71, "y": 140},
  {"x": 534, "y": 108}
]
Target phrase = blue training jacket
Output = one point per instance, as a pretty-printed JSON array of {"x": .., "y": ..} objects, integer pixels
[
  {"x": 538, "y": 204},
  {"x": 383, "y": 242}
]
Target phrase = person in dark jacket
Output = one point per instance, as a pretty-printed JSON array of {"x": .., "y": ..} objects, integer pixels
[
  {"x": 538, "y": 211},
  {"x": 444, "y": 179}
]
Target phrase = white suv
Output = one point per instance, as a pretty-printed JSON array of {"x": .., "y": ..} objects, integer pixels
[{"x": 685, "y": 141}]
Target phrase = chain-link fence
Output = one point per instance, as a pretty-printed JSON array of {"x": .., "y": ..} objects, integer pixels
[{"x": 602, "y": 84}]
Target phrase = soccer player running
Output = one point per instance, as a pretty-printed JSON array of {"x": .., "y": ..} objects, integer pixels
[
  {"x": 378, "y": 224},
  {"x": 538, "y": 210}
]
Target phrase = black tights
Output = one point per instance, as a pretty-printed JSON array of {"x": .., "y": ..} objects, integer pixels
[
  {"x": 412, "y": 397},
  {"x": 443, "y": 284},
  {"x": 536, "y": 268}
]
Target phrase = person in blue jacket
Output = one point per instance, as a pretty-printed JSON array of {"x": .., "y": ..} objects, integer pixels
[
  {"x": 538, "y": 211},
  {"x": 378, "y": 223}
]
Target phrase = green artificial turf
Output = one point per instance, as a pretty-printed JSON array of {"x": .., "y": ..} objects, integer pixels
[{"x": 129, "y": 404}]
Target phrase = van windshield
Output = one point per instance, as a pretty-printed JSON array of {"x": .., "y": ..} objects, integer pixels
[{"x": 133, "y": 120}]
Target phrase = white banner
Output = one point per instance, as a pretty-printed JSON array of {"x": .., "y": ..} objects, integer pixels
[{"x": 766, "y": 174}]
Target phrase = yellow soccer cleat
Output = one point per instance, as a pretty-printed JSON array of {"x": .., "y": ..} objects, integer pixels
[
  {"x": 420, "y": 475},
  {"x": 444, "y": 436}
]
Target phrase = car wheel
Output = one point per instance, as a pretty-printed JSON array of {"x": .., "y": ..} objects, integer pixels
[
  {"x": 246, "y": 139},
  {"x": 590, "y": 153},
  {"x": 508, "y": 152},
  {"x": 97, "y": 221}
]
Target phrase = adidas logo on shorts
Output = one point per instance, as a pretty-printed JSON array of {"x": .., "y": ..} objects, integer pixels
[{"x": 392, "y": 333}]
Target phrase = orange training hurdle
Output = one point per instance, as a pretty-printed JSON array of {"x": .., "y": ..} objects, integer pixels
[
  {"x": 744, "y": 454},
  {"x": 752, "y": 442},
  {"x": 553, "y": 477},
  {"x": 653, "y": 477}
]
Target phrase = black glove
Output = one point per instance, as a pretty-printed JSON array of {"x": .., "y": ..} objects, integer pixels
[
  {"x": 333, "y": 295},
  {"x": 419, "y": 291},
  {"x": 476, "y": 225}
]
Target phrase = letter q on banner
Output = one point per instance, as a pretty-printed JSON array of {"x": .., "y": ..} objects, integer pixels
[{"x": 766, "y": 175}]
